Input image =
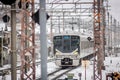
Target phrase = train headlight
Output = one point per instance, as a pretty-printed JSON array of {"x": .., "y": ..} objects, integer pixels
[
  {"x": 76, "y": 53},
  {"x": 57, "y": 53}
]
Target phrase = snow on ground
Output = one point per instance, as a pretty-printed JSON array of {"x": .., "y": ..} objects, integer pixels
[
  {"x": 51, "y": 67},
  {"x": 88, "y": 70},
  {"x": 112, "y": 64}
]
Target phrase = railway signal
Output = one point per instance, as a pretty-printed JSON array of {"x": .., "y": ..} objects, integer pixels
[
  {"x": 8, "y": 2},
  {"x": 89, "y": 38},
  {"x": 6, "y": 18},
  {"x": 35, "y": 17}
]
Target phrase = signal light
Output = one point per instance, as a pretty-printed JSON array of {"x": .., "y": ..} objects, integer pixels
[
  {"x": 35, "y": 16},
  {"x": 89, "y": 38},
  {"x": 8, "y": 2},
  {"x": 6, "y": 18}
]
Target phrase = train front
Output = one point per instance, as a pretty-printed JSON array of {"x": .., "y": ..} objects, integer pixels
[{"x": 66, "y": 50}]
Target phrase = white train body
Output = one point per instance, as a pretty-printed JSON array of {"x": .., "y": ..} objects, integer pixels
[{"x": 66, "y": 48}]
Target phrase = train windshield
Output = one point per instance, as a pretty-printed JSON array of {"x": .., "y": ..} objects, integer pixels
[
  {"x": 66, "y": 43},
  {"x": 57, "y": 40}
]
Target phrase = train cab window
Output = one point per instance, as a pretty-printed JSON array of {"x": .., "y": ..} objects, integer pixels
[
  {"x": 66, "y": 43},
  {"x": 58, "y": 42},
  {"x": 75, "y": 41}
]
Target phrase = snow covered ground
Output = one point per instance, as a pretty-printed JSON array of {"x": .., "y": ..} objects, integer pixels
[
  {"x": 112, "y": 64},
  {"x": 81, "y": 70}
]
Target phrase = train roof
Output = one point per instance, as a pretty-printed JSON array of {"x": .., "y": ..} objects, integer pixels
[
  {"x": 65, "y": 34},
  {"x": 82, "y": 37}
]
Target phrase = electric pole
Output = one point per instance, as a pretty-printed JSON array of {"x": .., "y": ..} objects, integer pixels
[
  {"x": 43, "y": 39},
  {"x": 13, "y": 43}
]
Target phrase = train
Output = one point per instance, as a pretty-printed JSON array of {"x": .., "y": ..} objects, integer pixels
[{"x": 67, "y": 48}]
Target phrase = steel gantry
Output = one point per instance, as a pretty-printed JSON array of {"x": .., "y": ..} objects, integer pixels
[
  {"x": 27, "y": 41},
  {"x": 99, "y": 28}
]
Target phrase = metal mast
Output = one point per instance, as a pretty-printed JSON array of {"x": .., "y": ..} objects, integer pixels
[
  {"x": 27, "y": 50},
  {"x": 98, "y": 39},
  {"x": 43, "y": 39},
  {"x": 13, "y": 42}
]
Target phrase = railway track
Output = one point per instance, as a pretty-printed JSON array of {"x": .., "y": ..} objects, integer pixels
[
  {"x": 55, "y": 74},
  {"x": 60, "y": 72},
  {"x": 51, "y": 73},
  {"x": 19, "y": 65}
]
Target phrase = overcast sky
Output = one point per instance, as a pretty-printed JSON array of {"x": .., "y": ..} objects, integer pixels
[{"x": 115, "y": 9}]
